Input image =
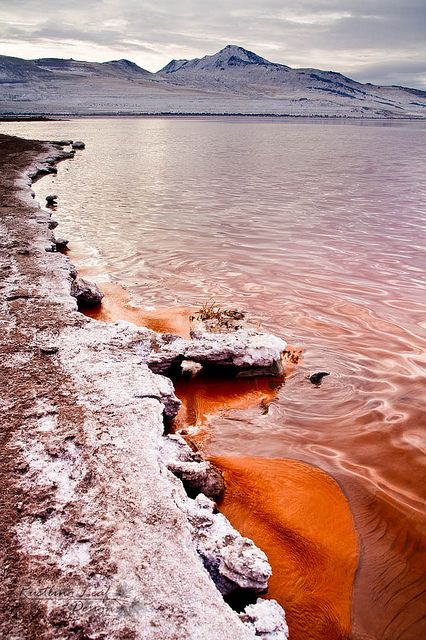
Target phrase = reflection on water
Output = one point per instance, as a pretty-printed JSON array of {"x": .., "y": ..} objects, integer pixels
[{"x": 318, "y": 230}]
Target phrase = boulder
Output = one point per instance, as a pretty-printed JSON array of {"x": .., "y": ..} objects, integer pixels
[
  {"x": 78, "y": 145},
  {"x": 86, "y": 292},
  {"x": 61, "y": 244},
  {"x": 51, "y": 200}
]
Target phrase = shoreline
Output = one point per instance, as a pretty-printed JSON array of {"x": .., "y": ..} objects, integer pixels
[
  {"x": 93, "y": 508},
  {"x": 301, "y": 484},
  {"x": 52, "y": 117}
]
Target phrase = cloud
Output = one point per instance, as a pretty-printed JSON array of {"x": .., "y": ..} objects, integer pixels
[{"x": 372, "y": 40}]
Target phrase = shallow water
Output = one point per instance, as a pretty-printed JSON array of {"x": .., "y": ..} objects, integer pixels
[{"x": 317, "y": 228}]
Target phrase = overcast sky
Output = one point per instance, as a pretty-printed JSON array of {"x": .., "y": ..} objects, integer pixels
[{"x": 379, "y": 41}]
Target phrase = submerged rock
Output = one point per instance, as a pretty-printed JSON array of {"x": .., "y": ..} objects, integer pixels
[
  {"x": 316, "y": 378},
  {"x": 87, "y": 293},
  {"x": 51, "y": 200}
]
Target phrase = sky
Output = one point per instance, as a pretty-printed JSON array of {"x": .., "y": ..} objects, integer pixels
[{"x": 379, "y": 41}]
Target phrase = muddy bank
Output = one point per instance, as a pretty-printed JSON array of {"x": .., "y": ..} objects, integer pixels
[{"x": 99, "y": 537}]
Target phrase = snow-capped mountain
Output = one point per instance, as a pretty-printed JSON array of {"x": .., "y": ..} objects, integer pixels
[{"x": 231, "y": 81}]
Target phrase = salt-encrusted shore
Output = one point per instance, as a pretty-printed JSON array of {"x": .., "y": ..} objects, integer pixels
[{"x": 99, "y": 538}]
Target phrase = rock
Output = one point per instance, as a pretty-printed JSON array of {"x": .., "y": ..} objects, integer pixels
[
  {"x": 197, "y": 475},
  {"x": 78, "y": 145},
  {"x": 247, "y": 351},
  {"x": 49, "y": 349},
  {"x": 234, "y": 562},
  {"x": 163, "y": 353},
  {"x": 62, "y": 143},
  {"x": 267, "y": 619},
  {"x": 160, "y": 388},
  {"x": 190, "y": 368},
  {"x": 316, "y": 378},
  {"x": 53, "y": 224},
  {"x": 244, "y": 352},
  {"x": 61, "y": 244},
  {"x": 43, "y": 171},
  {"x": 51, "y": 200},
  {"x": 87, "y": 293}
]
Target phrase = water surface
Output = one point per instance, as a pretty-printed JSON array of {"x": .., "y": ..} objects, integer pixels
[{"x": 317, "y": 228}]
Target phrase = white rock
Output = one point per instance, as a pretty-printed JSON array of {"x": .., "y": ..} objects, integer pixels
[
  {"x": 197, "y": 475},
  {"x": 267, "y": 618},
  {"x": 246, "y": 351},
  {"x": 234, "y": 562}
]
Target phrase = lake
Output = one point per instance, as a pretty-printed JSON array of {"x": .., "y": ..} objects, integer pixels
[{"x": 317, "y": 229}]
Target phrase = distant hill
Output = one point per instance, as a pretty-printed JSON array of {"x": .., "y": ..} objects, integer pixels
[{"x": 232, "y": 81}]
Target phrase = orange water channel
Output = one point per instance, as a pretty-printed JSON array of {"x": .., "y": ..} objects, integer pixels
[{"x": 317, "y": 230}]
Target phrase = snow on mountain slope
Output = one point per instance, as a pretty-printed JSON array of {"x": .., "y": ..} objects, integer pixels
[
  {"x": 236, "y": 70},
  {"x": 117, "y": 68},
  {"x": 232, "y": 81}
]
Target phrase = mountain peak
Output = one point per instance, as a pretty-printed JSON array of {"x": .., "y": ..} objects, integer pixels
[
  {"x": 173, "y": 66},
  {"x": 230, "y": 56},
  {"x": 235, "y": 55},
  {"x": 126, "y": 65}
]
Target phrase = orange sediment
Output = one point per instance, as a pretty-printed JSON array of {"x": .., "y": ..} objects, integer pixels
[
  {"x": 117, "y": 305},
  {"x": 299, "y": 517}
]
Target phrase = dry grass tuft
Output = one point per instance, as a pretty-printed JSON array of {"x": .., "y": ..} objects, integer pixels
[{"x": 218, "y": 318}]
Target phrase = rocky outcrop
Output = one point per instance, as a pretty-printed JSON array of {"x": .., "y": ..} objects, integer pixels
[
  {"x": 234, "y": 562},
  {"x": 86, "y": 292},
  {"x": 198, "y": 475},
  {"x": 242, "y": 352}
]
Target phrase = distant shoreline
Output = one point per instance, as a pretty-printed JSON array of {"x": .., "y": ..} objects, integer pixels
[{"x": 55, "y": 117}]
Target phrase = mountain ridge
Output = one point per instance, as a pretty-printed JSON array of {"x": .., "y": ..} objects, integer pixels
[{"x": 232, "y": 80}]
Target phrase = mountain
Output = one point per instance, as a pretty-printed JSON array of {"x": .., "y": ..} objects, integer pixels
[
  {"x": 240, "y": 71},
  {"x": 231, "y": 57},
  {"x": 116, "y": 68},
  {"x": 231, "y": 81}
]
